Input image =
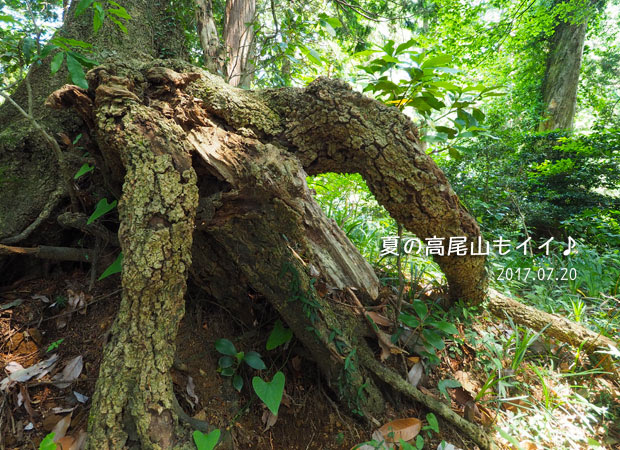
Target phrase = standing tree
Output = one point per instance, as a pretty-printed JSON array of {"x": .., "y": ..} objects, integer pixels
[
  {"x": 563, "y": 66},
  {"x": 211, "y": 182}
]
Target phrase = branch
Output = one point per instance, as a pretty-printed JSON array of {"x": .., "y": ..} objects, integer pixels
[{"x": 46, "y": 252}]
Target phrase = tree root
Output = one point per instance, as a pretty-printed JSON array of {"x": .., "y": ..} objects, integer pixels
[{"x": 474, "y": 432}]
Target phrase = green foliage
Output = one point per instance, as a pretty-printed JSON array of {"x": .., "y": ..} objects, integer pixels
[
  {"x": 270, "y": 392},
  {"x": 103, "y": 207},
  {"x": 115, "y": 267},
  {"x": 279, "y": 335},
  {"x": 407, "y": 76},
  {"x": 48, "y": 443},
  {"x": 54, "y": 345},
  {"x": 206, "y": 441},
  {"x": 230, "y": 363}
]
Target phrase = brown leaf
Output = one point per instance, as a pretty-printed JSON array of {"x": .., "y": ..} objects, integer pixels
[
  {"x": 405, "y": 429},
  {"x": 65, "y": 443},
  {"x": 61, "y": 427},
  {"x": 379, "y": 319}
]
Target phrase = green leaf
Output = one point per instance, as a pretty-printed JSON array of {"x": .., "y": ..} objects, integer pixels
[
  {"x": 279, "y": 335},
  {"x": 270, "y": 392},
  {"x": 113, "y": 268},
  {"x": 227, "y": 372},
  {"x": 404, "y": 46},
  {"x": 443, "y": 385},
  {"x": 57, "y": 61},
  {"x": 119, "y": 24},
  {"x": 54, "y": 345},
  {"x": 120, "y": 12},
  {"x": 328, "y": 27},
  {"x": 98, "y": 16},
  {"x": 419, "y": 442},
  {"x": 434, "y": 339},
  {"x": 84, "y": 60},
  {"x": 206, "y": 441},
  {"x": 436, "y": 61},
  {"x": 432, "y": 422},
  {"x": 333, "y": 21},
  {"x": 420, "y": 309},
  {"x": 103, "y": 207},
  {"x": 314, "y": 56},
  {"x": 225, "y": 347},
  {"x": 82, "y": 6},
  {"x": 237, "y": 382},
  {"x": 254, "y": 360},
  {"x": 405, "y": 445},
  {"x": 48, "y": 443},
  {"x": 77, "y": 73},
  {"x": 409, "y": 320},
  {"x": 226, "y": 362},
  {"x": 444, "y": 326},
  {"x": 28, "y": 46},
  {"x": 83, "y": 170},
  {"x": 64, "y": 42},
  {"x": 7, "y": 18}
]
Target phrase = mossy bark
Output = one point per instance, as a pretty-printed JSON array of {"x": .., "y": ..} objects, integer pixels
[{"x": 133, "y": 398}]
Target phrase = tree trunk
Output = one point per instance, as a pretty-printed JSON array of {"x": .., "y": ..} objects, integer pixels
[
  {"x": 561, "y": 79},
  {"x": 212, "y": 50},
  {"x": 239, "y": 40}
]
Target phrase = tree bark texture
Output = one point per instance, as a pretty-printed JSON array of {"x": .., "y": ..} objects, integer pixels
[
  {"x": 212, "y": 49},
  {"x": 239, "y": 40},
  {"x": 561, "y": 79},
  {"x": 133, "y": 398},
  {"x": 26, "y": 159}
]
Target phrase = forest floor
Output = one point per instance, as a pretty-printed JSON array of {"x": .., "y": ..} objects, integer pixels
[{"x": 57, "y": 315}]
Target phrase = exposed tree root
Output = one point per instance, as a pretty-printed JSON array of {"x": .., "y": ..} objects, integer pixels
[{"x": 397, "y": 382}]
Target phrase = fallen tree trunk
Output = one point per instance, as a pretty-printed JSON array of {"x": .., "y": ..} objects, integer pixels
[{"x": 554, "y": 326}]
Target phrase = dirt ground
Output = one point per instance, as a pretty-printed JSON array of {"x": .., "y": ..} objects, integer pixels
[{"x": 58, "y": 315}]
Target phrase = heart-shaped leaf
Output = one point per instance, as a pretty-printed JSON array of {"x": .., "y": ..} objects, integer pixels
[
  {"x": 270, "y": 393},
  {"x": 279, "y": 335},
  {"x": 102, "y": 207},
  {"x": 206, "y": 441}
]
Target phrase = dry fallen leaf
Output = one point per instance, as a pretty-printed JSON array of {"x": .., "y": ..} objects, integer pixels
[
  {"x": 60, "y": 429},
  {"x": 190, "y": 391},
  {"x": 70, "y": 373},
  {"x": 269, "y": 419},
  {"x": 65, "y": 443},
  {"x": 405, "y": 429},
  {"x": 80, "y": 441},
  {"x": 21, "y": 375},
  {"x": 415, "y": 374},
  {"x": 379, "y": 319}
]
